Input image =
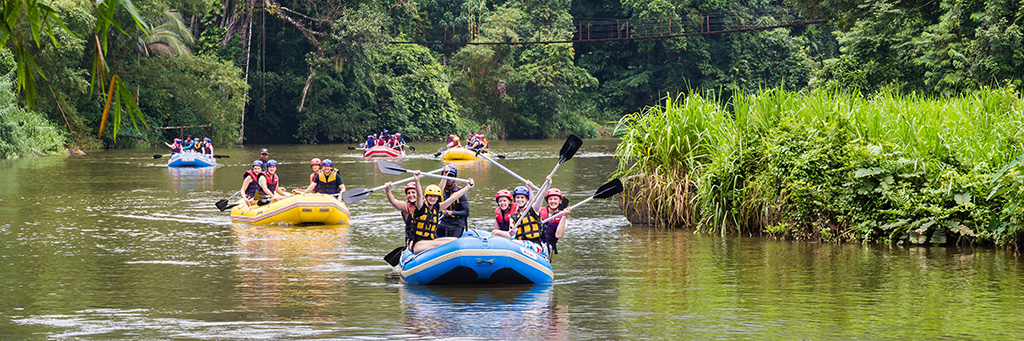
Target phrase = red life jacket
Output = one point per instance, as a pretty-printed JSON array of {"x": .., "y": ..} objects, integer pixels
[
  {"x": 504, "y": 218},
  {"x": 254, "y": 185},
  {"x": 550, "y": 228},
  {"x": 271, "y": 182}
]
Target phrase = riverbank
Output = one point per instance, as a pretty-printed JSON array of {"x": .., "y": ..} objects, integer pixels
[{"x": 832, "y": 166}]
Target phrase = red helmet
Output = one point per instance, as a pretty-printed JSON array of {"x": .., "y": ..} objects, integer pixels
[
  {"x": 555, "y": 192},
  {"x": 451, "y": 137},
  {"x": 411, "y": 185},
  {"x": 503, "y": 193},
  {"x": 314, "y": 161}
]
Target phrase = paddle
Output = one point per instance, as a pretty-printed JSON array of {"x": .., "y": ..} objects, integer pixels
[
  {"x": 394, "y": 256},
  {"x": 221, "y": 156},
  {"x": 510, "y": 172},
  {"x": 569, "y": 148},
  {"x": 439, "y": 152},
  {"x": 351, "y": 148},
  {"x": 607, "y": 190},
  {"x": 157, "y": 156},
  {"x": 358, "y": 194},
  {"x": 411, "y": 148},
  {"x": 222, "y": 204},
  {"x": 393, "y": 169}
]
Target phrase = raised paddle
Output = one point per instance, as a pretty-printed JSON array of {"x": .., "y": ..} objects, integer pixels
[
  {"x": 569, "y": 148},
  {"x": 510, "y": 172},
  {"x": 607, "y": 190},
  {"x": 394, "y": 256},
  {"x": 358, "y": 194},
  {"x": 393, "y": 169}
]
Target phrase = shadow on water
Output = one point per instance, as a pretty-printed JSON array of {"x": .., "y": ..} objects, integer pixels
[{"x": 485, "y": 312}]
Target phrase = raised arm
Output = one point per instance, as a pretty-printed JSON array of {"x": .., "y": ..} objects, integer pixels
[
  {"x": 419, "y": 191},
  {"x": 391, "y": 197},
  {"x": 539, "y": 202},
  {"x": 457, "y": 195}
]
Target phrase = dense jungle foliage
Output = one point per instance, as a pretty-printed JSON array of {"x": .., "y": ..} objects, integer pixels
[
  {"x": 318, "y": 71},
  {"x": 833, "y": 165}
]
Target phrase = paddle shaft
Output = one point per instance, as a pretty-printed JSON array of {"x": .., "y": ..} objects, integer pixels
[
  {"x": 404, "y": 180},
  {"x": 441, "y": 177},
  {"x": 510, "y": 172},
  {"x": 563, "y": 211}
]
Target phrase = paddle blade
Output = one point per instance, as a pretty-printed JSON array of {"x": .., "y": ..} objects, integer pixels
[
  {"x": 351, "y": 148},
  {"x": 564, "y": 204},
  {"x": 155, "y": 156},
  {"x": 394, "y": 256},
  {"x": 411, "y": 148},
  {"x": 222, "y": 156},
  {"x": 609, "y": 189},
  {"x": 437, "y": 154},
  {"x": 572, "y": 144},
  {"x": 222, "y": 204},
  {"x": 263, "y": 202},
  {"x": 355, "y": 195},
  {"x": 390, "y": 168},
  {"x": 500, "y": 156}
]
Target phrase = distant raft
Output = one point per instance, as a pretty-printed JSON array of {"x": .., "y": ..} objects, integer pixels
[
  {"x": 459, "y": 154},
  {"x": 191, "y": 159},
  {"x": 383, "y": 151},
  {"x": 478, "y": 258},
  {"x": 297, "y": 209}
]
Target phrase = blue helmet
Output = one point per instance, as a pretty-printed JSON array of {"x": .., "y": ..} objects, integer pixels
[
  {"x": 177, "y": 140},
  {"x": 207, "y": 139},
  {"x": 196, "y": 139},
  {"x": 450, "y": 170},
  {"x": 257, "y": 163},
  {"x": 327, "y": 162},
  {"x": 521, "y": 190},
  {"x": 272, "y": 163}
]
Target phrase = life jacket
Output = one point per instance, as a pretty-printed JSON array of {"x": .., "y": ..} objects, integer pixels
[
  {"x": 272, "y": 180},
  {"x": 381, "y": 142},
  {"x": 503, "y": 218},
  {"x": 328, "y": 184},
  {"x": 425, "y": 223},
  {"x": 207, "y": 148},
  {"x": 176, "y": 148},
  {"x": 530, "y": 228},
  {"x": 550, "y": 228},
  {"x": 254, "y": 185},
  {"x": 410, "y": 223},
  {"x": 312, "y": 180}
]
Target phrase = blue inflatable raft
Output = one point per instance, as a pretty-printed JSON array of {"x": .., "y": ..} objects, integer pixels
[
  {"x": 478, "y": 258},
  {"x": 190, "y": 159}
]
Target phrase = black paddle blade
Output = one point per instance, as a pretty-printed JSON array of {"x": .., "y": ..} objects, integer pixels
[
  {"x": 390, "y": 168},
  {"x": 609, "y": 189},
  {"x": 222, "y": 204},
  {"x": 500, "y": 156},
  {"x": 394, "y": 256},
  {"x": 351, "y": 148},
  {"x": 572, "y": 144},
  {"x": 263, "y": 202},
  {"x": 564, "y": 204},
  {"x": 222, "y": 156},
  {"x": 155, "y": 156},
  {"x": 437, "y": 154},
  {"x": 411, "y": 148},
  {"x": 355, "y": 195}
]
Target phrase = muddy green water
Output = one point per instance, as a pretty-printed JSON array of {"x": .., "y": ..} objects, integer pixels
[{"x": 115, "y": 245}]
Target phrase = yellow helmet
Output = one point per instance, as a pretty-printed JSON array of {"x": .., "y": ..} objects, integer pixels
[{"x": 432, "y": 190}]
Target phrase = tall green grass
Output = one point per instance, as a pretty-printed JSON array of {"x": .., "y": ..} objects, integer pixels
[
  {"x": 832, "y": 165},
  {"x": 22, "y": 132}
]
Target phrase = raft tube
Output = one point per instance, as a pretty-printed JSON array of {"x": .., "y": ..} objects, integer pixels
[
  {"x": 478, "y": 258},
  {"x": 294, "y": 210},
  {"x": 191, "y": 159},
  {"x": 383, "y": 151},
  {"x": 459, "y": 154}
]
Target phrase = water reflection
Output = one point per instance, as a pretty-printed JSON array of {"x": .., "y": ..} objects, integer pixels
[
  {"x": 493, "y": 312},
  {"x": 290, "y": 273},
  {"x": 191, "y": 178}
]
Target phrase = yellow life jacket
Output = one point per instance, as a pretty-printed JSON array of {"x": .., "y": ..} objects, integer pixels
[
  {"x": 530, "y": 228},
  {"x": 425, "y": 223}
]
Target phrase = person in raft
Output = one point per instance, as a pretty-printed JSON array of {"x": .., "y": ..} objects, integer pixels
[
  {"x": 327, "y": 180},
  {"x": 187, "y": 147},
  {"x": 504, "y": 210},
  {"x": 479, "y": 142},
  {"x": 252, "y": 184},
  {"x": 428, "y": 211},
  {"x": 453, "y": 141},
  {"x": 176, "y": 147},
  {"x": 407, "y": 208},
  {"x": 399, "y": 141},
  {"x": 207, "y": 148},
  {"x": 554, "y": 229},
  {"x": 269, "y": 184},
  {"x": 315, "y": 165},
  {"x": 264, "y": 156},
  {"x": 530, "y": 230},
  {"x": 454, "y": 222}
]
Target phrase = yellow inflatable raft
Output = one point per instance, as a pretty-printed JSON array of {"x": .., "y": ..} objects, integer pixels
[
  {"x": 294, "y": 210},
  {"x": 459, "y": 154}
]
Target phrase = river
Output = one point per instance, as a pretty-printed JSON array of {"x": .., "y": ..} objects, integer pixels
[{"x": 116, "y": 245}]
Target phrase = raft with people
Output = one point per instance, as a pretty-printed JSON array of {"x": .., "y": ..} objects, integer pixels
[
  {"x": 298, "y": 209},
  {"x": 191, "y": 159},
  {"x": 478, "y": 258},
  {"x": 383, "y": 151},
  {"x": 459, "y": 154}
]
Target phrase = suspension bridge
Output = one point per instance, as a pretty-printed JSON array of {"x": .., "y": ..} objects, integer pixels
[{"x": 608, "y": 30}]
